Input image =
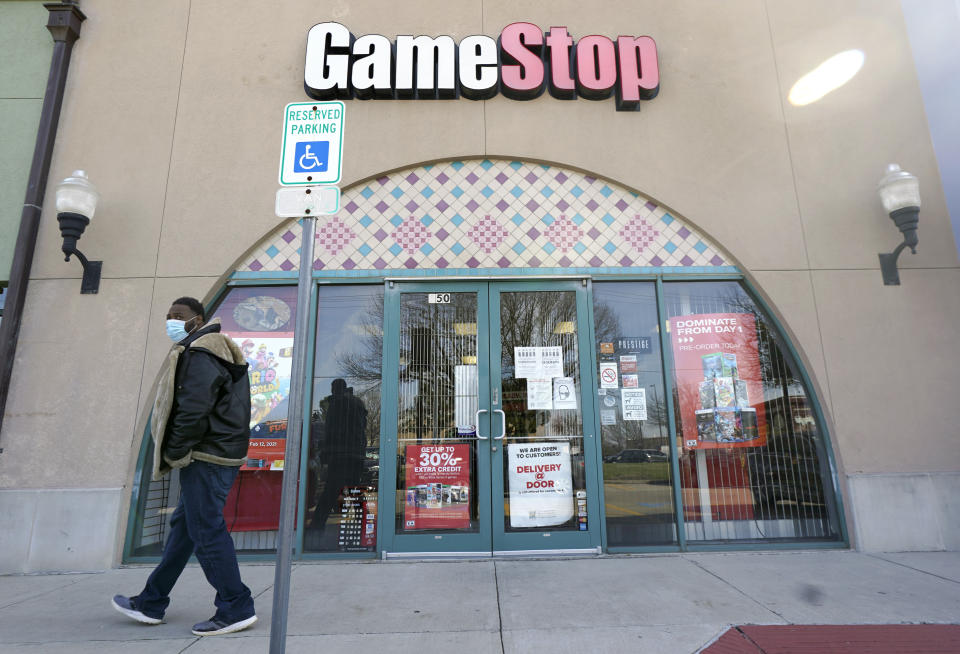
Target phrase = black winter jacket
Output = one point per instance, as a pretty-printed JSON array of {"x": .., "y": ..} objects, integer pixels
[{"x": 210, "y": 414}]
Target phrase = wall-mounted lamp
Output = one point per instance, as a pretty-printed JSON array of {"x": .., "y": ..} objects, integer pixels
[
  {"x": 900, "y": 195},
  {"x": 76, "y": 203}
]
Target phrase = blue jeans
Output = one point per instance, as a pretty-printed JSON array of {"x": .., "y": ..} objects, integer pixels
[{"x": 197, "y": 527}]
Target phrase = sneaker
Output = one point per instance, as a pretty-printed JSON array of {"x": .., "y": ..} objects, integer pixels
[
  {"x": 215, "y": 626},
  {"x": 128, "y": 607}
]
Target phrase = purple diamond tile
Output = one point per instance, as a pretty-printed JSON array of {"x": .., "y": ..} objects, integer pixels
[
  {"x": 594, "y": 233},
  {"x": 380, "y": 234},
  {"x": 501, "y": 178},
  {"x": 656, "y": 261},
  {"x": 560, "y": 177},
  {"x": 531, "y": 177},
  {"x": 349, "y": 264},
  {"x": 621, "y": 204},
  {"x": 686, "y": 260},
  {"x": 442, "y": 263},
  {"x": 626, "y": 261},
  {"x": 351, "y": 206},
  {"x": 533, "y": 232},
  {"x": 288, "y": 236},
  {"x": 287, "y": 265},
  {"x": 255, "y": 265},
  {"x": 596, "y": 262},
  {"x": 590, "y": 180},
  {"x": 534, "y": 262},
  {"x": 379, "y": 264},
  {"x": 472, "y": 262},
  {"x": 412, "y": 178},
  {"x": 565, "y": 262},
  {"x": 442, "y": 234},
  {"x": 442, "y": 206},
  {"x": 318, "y": 265},
  {"x": 592, "y": 205},
  {"x": 715, "y": 261},
  {"x": 472, "y": 205},
  {"x": 504, "y": 262},
  {"x": 650, "y": 205},
  {"x": 411, "y": 206},
  {"x": 442, "y": 178},
  {"x": 383, "y": 180},
  {"x": 471, "y": 178},
  {"x": 381, "y": 206},
  {"x": 502, "y": 205},
  {"x": 532, "y": 205},
  {"x": 683, "y": 232},
  {"x": 410, "y": 263},
  {"x": 562, "y": 205}
]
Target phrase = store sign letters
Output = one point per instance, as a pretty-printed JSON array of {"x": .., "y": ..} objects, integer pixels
[{"x": 521, "y": 64}]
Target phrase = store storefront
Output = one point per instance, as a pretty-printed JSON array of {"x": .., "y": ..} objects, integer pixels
[
  {"x": 499, "y": 347},
  {"x": 602, "y": 278}
]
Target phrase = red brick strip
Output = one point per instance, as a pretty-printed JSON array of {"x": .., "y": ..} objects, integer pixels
[{"x": 839, "y": 639}]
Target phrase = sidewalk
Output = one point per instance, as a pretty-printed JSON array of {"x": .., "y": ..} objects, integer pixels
[{"x": 672, "y": 603}]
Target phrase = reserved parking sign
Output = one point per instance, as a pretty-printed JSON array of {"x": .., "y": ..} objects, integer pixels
[{"x": 312, "y": 143}]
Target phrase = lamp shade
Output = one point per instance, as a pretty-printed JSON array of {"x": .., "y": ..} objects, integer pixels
[
  {"x": 898, "y": 189},
  {"x": 76, "y": 194}
]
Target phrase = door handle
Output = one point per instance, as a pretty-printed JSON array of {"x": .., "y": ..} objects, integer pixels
[
  {"x": 503, "y": 425},
  {"x": 476, "y": 419}
]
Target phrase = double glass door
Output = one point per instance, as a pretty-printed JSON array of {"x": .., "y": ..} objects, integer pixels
[{"x": 488, "y": 421}]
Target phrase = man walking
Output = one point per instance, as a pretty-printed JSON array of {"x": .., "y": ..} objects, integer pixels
[{"x": 200, "y": 425}]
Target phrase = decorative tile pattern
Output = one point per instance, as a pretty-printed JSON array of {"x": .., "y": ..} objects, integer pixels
[
  {"x": 490, "y": 214},
  {"x": 334, "y": 236}
]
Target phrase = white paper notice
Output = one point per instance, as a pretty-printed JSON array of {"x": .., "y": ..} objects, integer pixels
[
  {"x": 540, "y": 483},
  {"x": 538, "y": 394},
  {"x": 609, "y": 375},
  {"x": 526, "y": 362},
  {"x": 634, "y": 401},
  {"x": 608, "y": 417},
  {"x": 551, "y": 361},
  {"x": 564, "y": 393}
]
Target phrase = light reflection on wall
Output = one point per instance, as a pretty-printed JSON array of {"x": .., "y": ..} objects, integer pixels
[{"x": 828, "y": 76}]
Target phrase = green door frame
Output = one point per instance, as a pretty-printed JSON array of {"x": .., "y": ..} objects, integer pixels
[
  {"x": 546, "y": 539},
  {"x": 490, "y": 537}
]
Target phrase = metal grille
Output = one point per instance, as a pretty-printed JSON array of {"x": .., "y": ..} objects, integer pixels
[{"x": 437, "y": 384}]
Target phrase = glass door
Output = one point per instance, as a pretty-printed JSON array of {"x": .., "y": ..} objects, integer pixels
[
  {"x": 543, "y": 451},
  {"x": 484, "y": 426}
]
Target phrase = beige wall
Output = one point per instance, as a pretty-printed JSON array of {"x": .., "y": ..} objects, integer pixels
[{"x": 175, "y": 111}]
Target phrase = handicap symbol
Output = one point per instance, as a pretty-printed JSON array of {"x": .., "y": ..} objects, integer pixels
[{"x": 311, "y": 156}]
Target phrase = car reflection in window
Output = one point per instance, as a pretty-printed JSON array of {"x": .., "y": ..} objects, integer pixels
[{"x": 635, "y": 456}]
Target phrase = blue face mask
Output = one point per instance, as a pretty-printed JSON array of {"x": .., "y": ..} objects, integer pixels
[{"x": 176, "y": 330}]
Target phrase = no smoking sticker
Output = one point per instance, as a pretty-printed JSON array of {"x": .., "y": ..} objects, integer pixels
[{"x": 609, "y": 377}]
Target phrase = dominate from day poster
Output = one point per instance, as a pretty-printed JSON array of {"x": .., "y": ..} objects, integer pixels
[{"x": 718, "y": 373}]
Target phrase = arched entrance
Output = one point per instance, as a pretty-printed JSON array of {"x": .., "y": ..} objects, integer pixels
[{"x": 453, "y": 304}]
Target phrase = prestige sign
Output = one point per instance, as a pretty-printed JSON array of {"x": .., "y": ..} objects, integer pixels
[{"x": 520, "y": 64}]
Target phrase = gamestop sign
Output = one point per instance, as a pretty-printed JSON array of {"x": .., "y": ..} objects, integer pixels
[{"x": 521, "y": 64}]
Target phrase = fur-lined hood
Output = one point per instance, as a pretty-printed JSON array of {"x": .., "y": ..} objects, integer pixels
[{"x": 209, "y": 339}]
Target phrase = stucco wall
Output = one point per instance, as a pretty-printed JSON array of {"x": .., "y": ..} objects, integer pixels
[{"x": 175, "y": 111}]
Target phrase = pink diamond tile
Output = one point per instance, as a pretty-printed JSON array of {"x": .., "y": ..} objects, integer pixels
[
  {"x": 488, "y": 234},
  {"x": 638, "y": 233},
  {"x": 411, "y": 234},
  {"x": 334, "y": 236},
  {"x": 563, "y": 233}
]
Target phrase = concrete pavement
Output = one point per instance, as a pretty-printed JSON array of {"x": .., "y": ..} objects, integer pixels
[{"x": 672, "y": 603}]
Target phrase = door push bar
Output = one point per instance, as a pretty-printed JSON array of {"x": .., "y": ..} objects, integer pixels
[
  {"x": 503, "y": 425},
  {"x": 476, "y": 419}
]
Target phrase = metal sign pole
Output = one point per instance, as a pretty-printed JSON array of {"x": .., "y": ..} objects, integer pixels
[{"x": 291, "y": 458}]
